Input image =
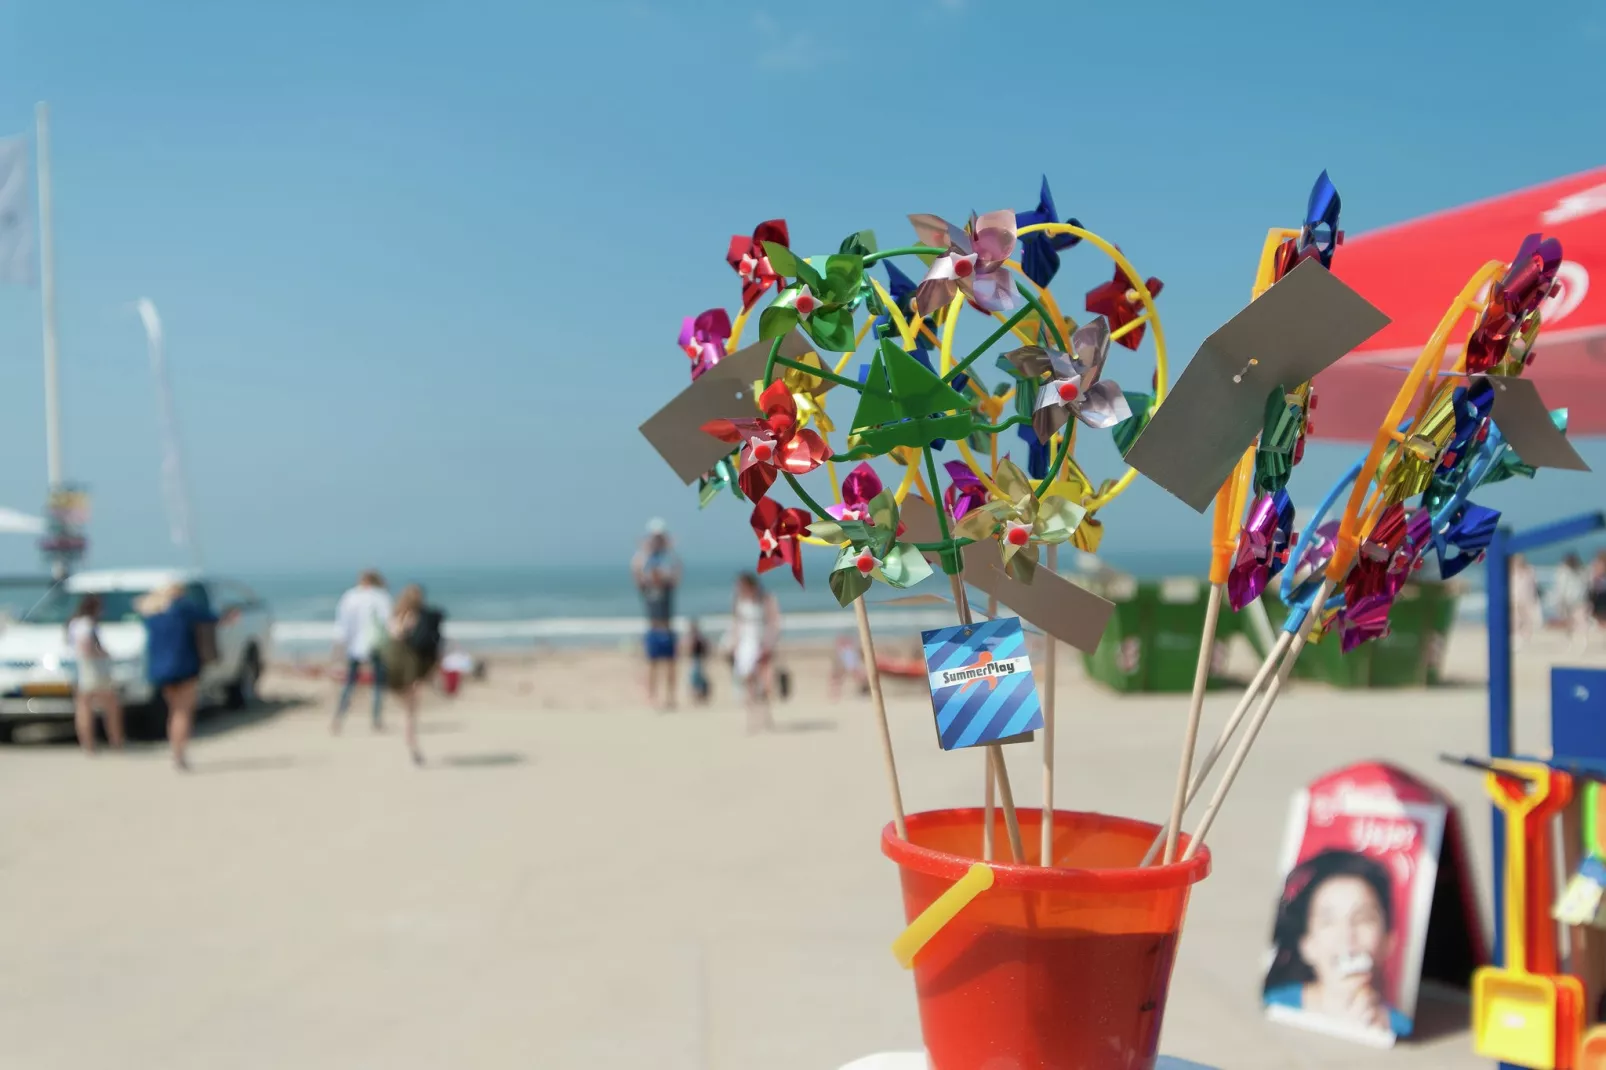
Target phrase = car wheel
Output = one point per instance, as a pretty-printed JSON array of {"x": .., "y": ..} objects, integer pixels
[
  {"x": 243, "y": 691},
  {"x": 5, "y": 731}
]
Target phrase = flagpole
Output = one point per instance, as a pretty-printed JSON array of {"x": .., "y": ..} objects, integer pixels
[
  {"x": 175, "y": 486},
  {"x": 47, "y": 298}
]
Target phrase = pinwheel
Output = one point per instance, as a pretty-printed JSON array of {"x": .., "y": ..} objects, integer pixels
[
  {"x": 1021, "y": 521},
  {"x": 1040, "y": 252},
  {"x": 821, "y": 304},
  {"x": 1073, "y": 386},
  {"x": 1262, "y": 548},
  {"x": 872, "y": 550},
  {"x": 902, "y": 290},
  {"x": 808, "y": 385},
  {"x": 972, "y": 265},
  {"x": 772, "y": 443},
  {"x": 965, "y": 492},
  {"x": 779, "y": 533},
  {"x": 1514, "y": 299},
  {"x": 716, "y": 479},
  {"x": 747, "y": 258},
  {"x": 1118, "y": 302},
  {"x": 704, "y": 338},
  {"x": 1282, "y": 436},
  {"x": 1320, "y": 234}
]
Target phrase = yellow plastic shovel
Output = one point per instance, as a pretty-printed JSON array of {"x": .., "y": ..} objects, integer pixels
[{"x": 1514, "y": 1011}]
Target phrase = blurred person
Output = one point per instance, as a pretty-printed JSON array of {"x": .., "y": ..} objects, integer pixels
[
  {"x": 1570, "y": 600},
  {"x": 1334, "y": 933},
  {"x": 95, "y": 686},
  {"x": 755, "y": 635},
  {"x": 455, "y": 666},
  {"x": 697, "y": 649},
  {"x": 1526, "y": 615},
  {"x": 847, "y": 663},
  {"x": 410, "y": 654},
  {"x": 1597, "y": 589},
  {"x": 656, "y": 569},
  {"x": 180, "y": 640},
  {"x": 361, "y": 617}
]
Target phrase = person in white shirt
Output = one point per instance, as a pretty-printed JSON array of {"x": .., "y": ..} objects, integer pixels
[
  {"x": 361, "y": 619},
  {"x": 95, "y": 686}
]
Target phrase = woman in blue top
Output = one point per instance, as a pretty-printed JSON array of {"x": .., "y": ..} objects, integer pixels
[
  {"x": 1335, "y": 930},
  {"x": 173, "y": 660}
]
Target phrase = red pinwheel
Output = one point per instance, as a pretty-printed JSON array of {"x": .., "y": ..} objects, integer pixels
[
  {"x": 779, "y": 531},
  {"x": 1119, "y": 303},
  {"x": 1517, "y": 296},
  {"x": 771, "y": 443},
  {"x": 1387, "y": 558},
  {"x": 746, "y": 257}
]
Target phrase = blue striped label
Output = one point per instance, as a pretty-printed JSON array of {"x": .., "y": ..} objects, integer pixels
[{"x": 981, "y": 683}]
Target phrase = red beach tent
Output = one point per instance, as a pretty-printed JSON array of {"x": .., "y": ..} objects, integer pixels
[{"x": 1413, "y": 270}]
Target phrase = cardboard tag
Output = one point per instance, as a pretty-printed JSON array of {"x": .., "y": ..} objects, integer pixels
[
  {"x": 1303, "y": 324},
  {"x": 723, "y": 392},
  {"x": 981, "y": 683},
  {"x": 1053, "y": 604},
  {"x": 1521, "y": 415}
]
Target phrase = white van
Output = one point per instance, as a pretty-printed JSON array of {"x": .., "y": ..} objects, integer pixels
[{"x": 38, "y": 668}]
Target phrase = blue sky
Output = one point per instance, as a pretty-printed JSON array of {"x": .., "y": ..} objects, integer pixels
[{"x": 422, "y": 266}]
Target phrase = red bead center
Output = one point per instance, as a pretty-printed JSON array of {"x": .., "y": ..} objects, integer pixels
[
  {"x": 1019, "y": 536},
  {"x": 763, "y": 451},
  {"x": 964, "y": 266},
  {"x": 865, "y": 562},
  {"x": 1069, "y": 390}
]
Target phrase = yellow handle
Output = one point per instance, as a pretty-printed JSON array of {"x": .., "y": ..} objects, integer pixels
[
  {"x": 940, "y": 913},
  {"x": 1516, "y": 811}
]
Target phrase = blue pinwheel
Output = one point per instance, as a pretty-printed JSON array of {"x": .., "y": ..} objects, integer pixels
[{"x": 1040, "y": 253}]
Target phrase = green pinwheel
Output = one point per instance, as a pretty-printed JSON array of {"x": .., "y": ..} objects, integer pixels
[
  {"x": 871, "y": 551},
  {"x": 820, "y": 304},
  {"x": 1020, "y": 521}
]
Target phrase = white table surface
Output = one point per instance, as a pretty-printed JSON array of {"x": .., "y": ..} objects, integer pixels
[{"x": 916, "y": 1060}]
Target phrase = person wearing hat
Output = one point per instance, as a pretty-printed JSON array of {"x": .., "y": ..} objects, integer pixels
[{"x": 657, "y": 572}]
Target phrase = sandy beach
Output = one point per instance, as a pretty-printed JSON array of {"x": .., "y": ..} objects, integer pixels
[{"x": 575, "y": 882}]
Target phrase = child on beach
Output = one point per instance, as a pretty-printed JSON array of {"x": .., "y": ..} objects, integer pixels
[
  {"x": 697, "y": 645},
  {"x": 847, "y": 663}
]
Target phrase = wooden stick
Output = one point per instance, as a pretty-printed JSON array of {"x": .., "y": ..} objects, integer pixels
[
  {"x": 1190, "y": 735},
  {"x": 1045, "y": 855},
  {"x": 872, "y": 675},
  {"x": 1247, "y": 700},
  {"x": 1196, "y": 840},
  {"x": 989, "y": 792},
  {"x": 1006, "y": 796}
]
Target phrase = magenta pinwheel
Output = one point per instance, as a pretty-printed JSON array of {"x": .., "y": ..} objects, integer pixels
[{"x": 703, "y": 337}]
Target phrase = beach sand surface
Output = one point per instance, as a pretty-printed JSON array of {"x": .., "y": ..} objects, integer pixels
[{"x": 576, "y": 882}]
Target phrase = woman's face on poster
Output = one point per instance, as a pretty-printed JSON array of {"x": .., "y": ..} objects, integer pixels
[{"x": 1346, "y": 921}]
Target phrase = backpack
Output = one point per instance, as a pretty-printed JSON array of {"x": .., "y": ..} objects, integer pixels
[{"x": 425, "y": 638}]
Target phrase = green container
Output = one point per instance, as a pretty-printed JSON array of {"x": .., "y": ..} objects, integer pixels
[
  {"x": 1410, "y": 655},
  {"x": 1152, "y": 641}
]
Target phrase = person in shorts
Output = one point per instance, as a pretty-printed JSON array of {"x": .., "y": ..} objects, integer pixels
[
  {"x": 95, "y": 686},
  {"x": 174, "y": 658},
  {"x": 657, "y": 573}
]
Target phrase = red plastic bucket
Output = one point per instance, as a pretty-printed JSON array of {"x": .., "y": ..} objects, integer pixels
[{"x": 1063, "y": 968}]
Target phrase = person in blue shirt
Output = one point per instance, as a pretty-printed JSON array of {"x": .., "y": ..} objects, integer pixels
[
  {"x": 1334, "y": 932},
  {"x": 174, "y": 658}
]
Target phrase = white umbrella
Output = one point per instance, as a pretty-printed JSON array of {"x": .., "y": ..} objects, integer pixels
[{"x": 15, "y": 523}]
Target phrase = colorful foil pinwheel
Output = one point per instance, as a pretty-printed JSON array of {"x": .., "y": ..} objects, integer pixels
[
  {"x": 965, "y": 492},
  {"x": 1262, "y": 548},
  {"x": 1073, "y": 386},
  {"x": 1040, "y": 252},
  {"x": 704, "y": 338},
  {"x": 1118, "y": 302},
  {"x": 1021, "y": 521},
  {"x": 747, "y": 258},
  {"x": 1513, "y": 309},
  {"x": 872, "y": 550},
  {"x": 822, "y": 305},
  {"x": 779, "y": 533},
  {"x": 771, "y": 444},
  {"x": 972, "y": 265}
]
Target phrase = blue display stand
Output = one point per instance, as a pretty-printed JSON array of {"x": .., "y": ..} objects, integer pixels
[{"x": 1502, "y": 545}]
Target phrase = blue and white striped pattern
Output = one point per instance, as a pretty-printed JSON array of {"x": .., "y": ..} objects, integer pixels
[{"x": 989, "y": 709}]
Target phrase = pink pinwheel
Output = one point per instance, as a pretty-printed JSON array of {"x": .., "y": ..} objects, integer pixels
[
  {"x": 771, "y": 444},
  {"x": 1262, "y": 548},
  {"x": 1387, "y": 559},
  {"x": 703, "y": 337},
  {"x": 965, "y": 493},
  {"x": 1119, "y": 303},
  {"x": 1074, "y": 385},
  {"x": 747, "y": 258},
  {"x": 778, "y": 531},
  {"x": 861, "y": 485},
  {"x": 973, "y": 264}
]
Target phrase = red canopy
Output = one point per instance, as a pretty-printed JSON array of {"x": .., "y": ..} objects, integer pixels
[{"x": 1413, "y": 270}]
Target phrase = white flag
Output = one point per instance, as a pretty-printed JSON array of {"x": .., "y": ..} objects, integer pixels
[{"x": 18, "y": 251}]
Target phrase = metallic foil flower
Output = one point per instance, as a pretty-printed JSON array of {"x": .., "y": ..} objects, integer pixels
[
  {"x": 1315, "y": 551},
  {"x": 965, "y": 491},
  {"x": 1388, "y": 557},
  {"x": 747, "y": 258},
  {"x": 772, "y": 443},
  {"x": 716, "y": 479},
  {"x": 1282, "y": 436},
  {"x": 703, "y": 338},
  {"x": 861, "y": 487},
  {"x": 1526, "y": 284},
  {"x": 822, "y": 304},
  {"x": 779, "y": 531},
  {"x": 1120, "y": 304},
  {"x": 1319, "y": 235},
  {"x": 808, "y": 388},
  {"x": 1073, "y": 386},
  {"x": 973, "y": 264},
  {"x": 871, "y": 551},
  {"x": 1262, "y": 548},
  {"x": 1020, "y": 521},
  {"x": 1040, "y": 253},
  {"x": 1464, "y": 537}
]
